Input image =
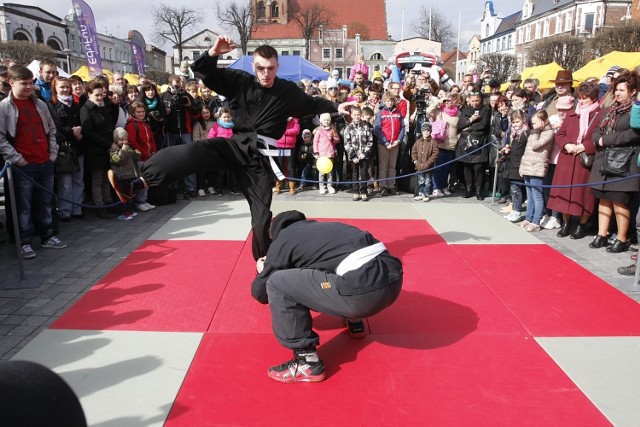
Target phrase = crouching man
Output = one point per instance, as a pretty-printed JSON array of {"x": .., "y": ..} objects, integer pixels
[{"x": 328, "y": 267}]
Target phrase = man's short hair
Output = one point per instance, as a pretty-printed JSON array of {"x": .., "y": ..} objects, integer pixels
[
  {"x": 20, "y": 72},
  {"x": 532, "y": 81},
  {"x": 93, "y": 85},
  {"x": 266, "y": 51},
  {"x": 359, "y": 73},
  {"x": 46, "y": 62},
  {"x": 173, "y": 78}
]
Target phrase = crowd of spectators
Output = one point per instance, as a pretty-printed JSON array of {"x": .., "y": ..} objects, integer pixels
[{"x": 439, "y": 141}]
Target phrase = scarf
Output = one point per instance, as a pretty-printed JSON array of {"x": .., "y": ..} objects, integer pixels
[
  {"x": 151, "y": 103},
  {"x": 515, "y": 133},
  {"x": 584, "y": 113},
  {"x": 66, "y": 99},
  {"x": 612, "y": 115},
  {"x": 226, "y": 125},
  {"x": 451, "y": 111}
]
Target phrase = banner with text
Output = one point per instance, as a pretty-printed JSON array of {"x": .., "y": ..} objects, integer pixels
[
  {"x": 138, "y": 58},
  {"x": 88, "y": 36}
]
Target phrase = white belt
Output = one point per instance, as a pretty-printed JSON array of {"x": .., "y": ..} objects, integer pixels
[
  {"x": 359, "y": 258},
  {"x": 266, "y": 142}
]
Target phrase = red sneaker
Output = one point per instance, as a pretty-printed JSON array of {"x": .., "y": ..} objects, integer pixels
[{"x": 297, "y": 370}]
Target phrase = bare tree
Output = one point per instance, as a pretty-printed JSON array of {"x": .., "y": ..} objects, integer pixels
[
  {"x": 624, "y": 37},
  {"x": 172, "y": 23},
  {"x": 432, "y": 24},
  {"x": 309, "y": 19},
  {"x": 567, "y": 51},
  {"x": 23, "y": 52},
  {"x": 502, "y": 65},
  {"x": 239, "y": 17},
  {"x": 358, "y": 28},
  {"x": 160, "y": 77}
]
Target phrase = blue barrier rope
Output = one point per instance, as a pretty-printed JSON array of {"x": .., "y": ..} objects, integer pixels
[
  {"x": 46, "y": 190},
  {"x": 4, "y": 169}
]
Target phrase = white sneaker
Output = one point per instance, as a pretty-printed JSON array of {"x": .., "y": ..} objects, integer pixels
[
  {"x": 446, "y": 192},
  {"x": 515, "y": 216},
  {"x": 418, "y": 198},
  {"x": 323, "y": 190},
  {"x": 553, "y": 223},
  {"x": 142, "y": 207},
  {"x": 150, "y": 206},
  {"x": 201, "y": 193},
  {"x": 426, "y": 199},
  {"x": 332, "y": 190},
  {"x": 437, "y": 193},
  {"x": 544, "y": 220},
  {"x": 211, "y": 191}
]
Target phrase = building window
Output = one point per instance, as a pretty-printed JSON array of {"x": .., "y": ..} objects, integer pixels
[
  {"x": 486, "y": 33},
  {"x": 538, "y": 26},
  {"x": 285, "y": 53},
  {"x": 339, "y": 53},
  {"x": 498, "y": 45},
  {"x": 275, "y": 10},
  {"x": 558, "y": 24},
  {"x": 326, "y": 53},
  {"x": 53, "y": 44},
  {"x": 296, "y": 53},
  {"x": 567, "y": 23},
  {"x": 195, "y": 54},
  {"x": 547, "y": 23},
  {"x": 527, "y": 34},
  {"x": 39, "y": 35},
  {"x": 261, "y": 11},
  {"x": 510, "y": 41},
  {"x": 588, "y": 22},
  {"x": 377, "y": 57}
]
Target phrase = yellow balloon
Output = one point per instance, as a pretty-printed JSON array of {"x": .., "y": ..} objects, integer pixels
[{"x": 324, "y": 165}]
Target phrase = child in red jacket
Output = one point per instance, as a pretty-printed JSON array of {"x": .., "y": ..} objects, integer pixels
[
  {"x": 286, "y": 145},
  {"x": 140, "y": 138}
]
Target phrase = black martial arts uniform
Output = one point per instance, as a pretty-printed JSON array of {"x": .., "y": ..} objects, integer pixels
[
  {"x": 256, "y": 110},
  {"x": 305, "y": 269}
]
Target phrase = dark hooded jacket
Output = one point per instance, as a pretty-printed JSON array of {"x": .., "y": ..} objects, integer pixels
[{"x": 300, "y": 243}]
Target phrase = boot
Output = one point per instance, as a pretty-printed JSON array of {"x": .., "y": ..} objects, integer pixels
[
  {"x": 579, "y": 232},
  {"x": 292, "y": 187},
  {"x": 564, "y": 230},
  {"x": 278, "y": 187}
]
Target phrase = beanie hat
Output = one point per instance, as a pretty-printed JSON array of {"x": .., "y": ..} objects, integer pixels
[
  {"x": 426, "y": 126},
  {"x": 306, "y": 132},
  {"x": 613, "y": 70}
]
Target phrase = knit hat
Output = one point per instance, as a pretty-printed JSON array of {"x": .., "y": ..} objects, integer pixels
[
  {"x": 306, "y": 132},
  {"x": 565, "y": 103},
  {"x": 283, "y": 220},
  {"x": 426, "y": 127},
  {"x": 612, "y": 70}
]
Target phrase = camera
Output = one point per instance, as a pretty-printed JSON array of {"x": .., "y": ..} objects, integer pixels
[
  {"x": 422, "y": 99},
  {"x": 180, "y": 97}
]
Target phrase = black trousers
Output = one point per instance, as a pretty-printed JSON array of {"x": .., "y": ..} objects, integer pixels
[
  {"x": 474, "y": 176},
  {"x": 293, "y": 293},
  {"x": 220, "y": 154}
]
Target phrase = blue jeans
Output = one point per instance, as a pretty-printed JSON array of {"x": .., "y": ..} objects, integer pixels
[
  {"x": 535, "y": 197},
  {"x": 441, "y": 174},
  {"x": 424, "y": 183},
  {"x": 70, "y": 189},
  {"x": 33, "y": 204},
  {"x": 171, "y": 139},
  {"x": 307, "y": 172},
  {"x": 516, "y": 195}
]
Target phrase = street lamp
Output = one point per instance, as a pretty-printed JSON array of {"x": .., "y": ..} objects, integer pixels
[{"x": 67, "y": 53}]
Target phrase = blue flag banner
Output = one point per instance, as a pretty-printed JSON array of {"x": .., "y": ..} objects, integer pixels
[
  {"x": 138, "y": 58},
  {"x": 88, "y": 36}
]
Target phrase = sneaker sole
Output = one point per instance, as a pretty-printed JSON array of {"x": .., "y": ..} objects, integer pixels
[
  {"x": 53, "y": 247},
  {"x": 112, "y": 181},
  {"x": 30, "y": 256},
  {"x": 311, "y": 379}
]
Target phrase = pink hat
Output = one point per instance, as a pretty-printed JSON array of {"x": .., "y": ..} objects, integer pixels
[{"x": 565, "y": 103}]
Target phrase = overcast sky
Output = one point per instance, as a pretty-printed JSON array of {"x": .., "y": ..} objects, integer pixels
[{"x": 117, "y": 17}]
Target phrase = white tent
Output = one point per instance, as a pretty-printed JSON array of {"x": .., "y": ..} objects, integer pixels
[{"x": 35, "y": 69}]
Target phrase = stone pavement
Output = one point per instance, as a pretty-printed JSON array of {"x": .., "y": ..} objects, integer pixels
[{"x": 95, "y": 246}]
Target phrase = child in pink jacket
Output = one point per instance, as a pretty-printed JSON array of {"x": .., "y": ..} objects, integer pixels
[
  {"x": 324, "y": 145},
  {"x": 223, "y": 128},
  {"x": 288, "y": 142}
]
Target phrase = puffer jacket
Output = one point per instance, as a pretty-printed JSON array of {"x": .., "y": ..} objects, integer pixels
[
  {"x": 358, "y": 140},
  {"x": 288, "y": 139},
  {"x": 424, "y": 153},
  {"x": 535, "y": 161},
  {"x": 324, "y": 142}
]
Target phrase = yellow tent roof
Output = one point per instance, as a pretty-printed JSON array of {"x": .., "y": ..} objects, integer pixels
[
  {"x": 132, "y": 79},
  {"x": 83, "y": 72},
  {"x": 545, "y": 73},
  {"x": 599, "y": 67}
]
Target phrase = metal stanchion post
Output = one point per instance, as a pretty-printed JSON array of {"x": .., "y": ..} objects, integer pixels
[
  {"x": 21, "y": 282},
  {"x": 495, "y": 178}
]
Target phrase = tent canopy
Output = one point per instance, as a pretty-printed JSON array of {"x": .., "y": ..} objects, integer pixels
[
  {"x": 133, "y": 79},
  {"x": 544, "y": 73},
  {"x": 599, "y": 67},
  {"x": 293, "y": 68},
  {"x": 35, "y": 69},
  {"x": 83, "y": 73}
]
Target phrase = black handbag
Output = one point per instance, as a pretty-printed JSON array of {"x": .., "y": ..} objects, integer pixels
[
  {"x": 586, "y": 160},
  {"x": 67, "y": 160},
  {"x": 617, "y": 161}
]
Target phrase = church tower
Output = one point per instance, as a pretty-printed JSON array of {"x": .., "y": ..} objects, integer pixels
[{"x": 270, "y": 11}]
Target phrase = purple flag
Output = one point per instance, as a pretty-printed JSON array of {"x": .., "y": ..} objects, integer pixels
[
  {"x": 138, "y": 57},
  {"x": 88, "y": 36}
]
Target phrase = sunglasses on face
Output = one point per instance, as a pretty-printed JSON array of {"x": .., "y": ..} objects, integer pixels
[{"x": 333, "y": 88}]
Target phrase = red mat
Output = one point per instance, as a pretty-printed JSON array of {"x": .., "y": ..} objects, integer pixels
[
  {"x": 380, "y": 381},
  {"x": 162, "y": 286},
  {"x": 550, "y": 294}
]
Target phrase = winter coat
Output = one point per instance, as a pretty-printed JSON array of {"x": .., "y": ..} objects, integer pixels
[
  {"x": 141, "y": 137},
  {"x": 364, "y": 68},
  {"x": 573, "y": 200},
  {"x": 324, "y": 142},
  {"x": 66, "y": 118},
  {"x": 622, "y": 136},
  {"x": 424, "y": 153},
  {"x": 635, "y": 115},
  {"x": 201, "y": 132},
  {"x": 97, "y": 131},
  {"x": 389, "y": 126},
  {"x": 358, "y": 140},
  {"x": 288, "y": 139},
  {"x": 218, "y": 131},
  {"x": 452, "y": 140},
  {"x": 517, "y": 147},
  {"x": 123, "y": 162},
  {"x": 535, "y": 161},
  {"x": 479, "y": 129}
]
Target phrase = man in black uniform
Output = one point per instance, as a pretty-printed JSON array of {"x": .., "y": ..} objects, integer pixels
[
  {"x": 328, "y": 267},
  {"x": 260, "y": 106}
]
